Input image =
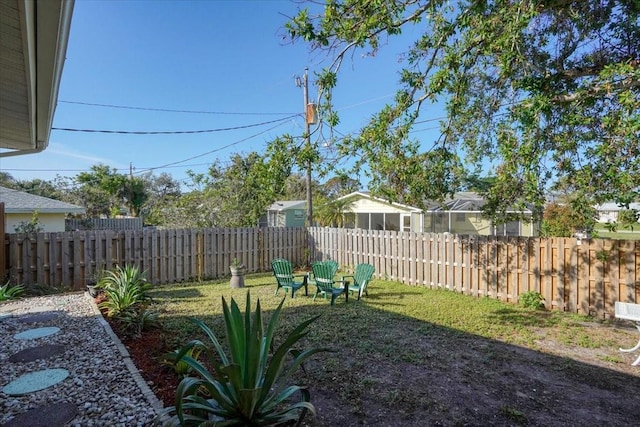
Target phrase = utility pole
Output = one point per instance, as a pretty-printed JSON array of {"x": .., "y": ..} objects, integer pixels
[{"x": 307, "y": 137}]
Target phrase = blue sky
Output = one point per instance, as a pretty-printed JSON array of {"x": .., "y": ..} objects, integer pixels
[{"x": 225, "y": 59}]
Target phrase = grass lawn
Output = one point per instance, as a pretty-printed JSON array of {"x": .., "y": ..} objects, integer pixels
[
  {"x": 415, "y": 356},
  {"x": 621, "y": 234}
]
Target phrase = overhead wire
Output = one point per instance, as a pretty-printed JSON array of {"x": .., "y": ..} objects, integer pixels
[
  {"x": 147, "y": 169},
  {"x": 170, "y": 110},
  {"x": 126, "y": 132},
  {"x": 173, "y": 164},
  {"x": 208, "y": 152}
]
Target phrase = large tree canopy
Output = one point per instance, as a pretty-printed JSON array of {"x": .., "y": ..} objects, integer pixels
[{"x": 542, "y": 90}]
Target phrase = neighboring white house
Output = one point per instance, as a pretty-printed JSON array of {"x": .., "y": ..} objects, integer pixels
[
  {"x": 608, "y": 212},
  {"x": 286, "y": 213},
  {"x": 461, "y": 215},
  {"x": 374, "y": 213},
  {"x": 20, "y": 206}
]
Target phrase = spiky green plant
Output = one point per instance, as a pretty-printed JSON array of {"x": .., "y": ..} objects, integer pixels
[
  {"x": 124, "y": 288},
  {"x": 8, "y": 292},
  {"x": 248, "y": 388},
  {"x": 181, "y": 367},
  {"x": 136, "y": 319},
  {"x": 124, "y": 277}
]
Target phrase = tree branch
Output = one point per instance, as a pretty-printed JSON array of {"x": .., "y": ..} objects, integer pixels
[{"x": 625, "y": 85}]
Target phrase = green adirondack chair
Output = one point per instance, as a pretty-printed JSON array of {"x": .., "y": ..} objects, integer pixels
[
  {"x": 333, "y": 265},
  {"x": 323, "y": 275},
  {"x": 360, "y": 278},
  {"x": 285, "y": 278}
]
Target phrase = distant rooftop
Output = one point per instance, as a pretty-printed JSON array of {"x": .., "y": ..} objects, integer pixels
[
  {"x": 282, "y": 205},
  {"x": 20, "y": 202}
]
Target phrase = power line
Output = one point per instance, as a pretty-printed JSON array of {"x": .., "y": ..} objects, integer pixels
[
  {"x": 208, "y": 152},
  {"x": 147, "y": 169},
  {"x": 364, "y": 102},
  {"x": 126, "y": 132},
  {"x": 170, "y": 110},
  {"x": 43, "y": 170}
]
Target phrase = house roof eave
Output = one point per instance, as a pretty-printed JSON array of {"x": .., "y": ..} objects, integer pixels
[
  {"x": 411, "y": 209},
  {"x": 38, "y": 44}
]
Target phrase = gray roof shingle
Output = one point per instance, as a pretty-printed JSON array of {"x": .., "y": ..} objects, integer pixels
[{"x": 20, "y": 202}]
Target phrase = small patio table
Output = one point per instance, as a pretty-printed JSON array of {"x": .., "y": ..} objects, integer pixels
[{"x": 629, "y": 311}]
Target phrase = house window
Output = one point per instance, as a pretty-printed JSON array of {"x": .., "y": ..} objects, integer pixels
[
  {"x": 298, "y": 214},
  {"x": 406, "y": 222}
]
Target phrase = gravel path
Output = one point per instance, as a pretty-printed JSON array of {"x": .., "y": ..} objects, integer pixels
[{"x": 103, "y": 383}]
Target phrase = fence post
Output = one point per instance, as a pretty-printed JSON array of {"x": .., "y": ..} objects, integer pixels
[{"x": 3, "y": 245}]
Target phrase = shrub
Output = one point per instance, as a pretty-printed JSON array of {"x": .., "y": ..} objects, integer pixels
[
  {"x": 531, "y": 299},
  {"x": 32, "y": 226},
  {"x": 250, "y": 386},
  {"x": 629, "y": 218}
]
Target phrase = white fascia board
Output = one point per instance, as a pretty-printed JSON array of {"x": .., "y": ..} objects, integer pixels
[{"x": 53, "y": 20}]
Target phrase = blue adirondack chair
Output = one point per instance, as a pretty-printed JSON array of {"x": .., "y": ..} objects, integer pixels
[
  {"x": 360, "y": 278},
  {"x": 285, "y": 278},
  {"x": 323, "y": 276}
]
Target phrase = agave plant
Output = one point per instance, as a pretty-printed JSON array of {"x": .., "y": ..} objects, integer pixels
[
  {"x": 8, "y": 292},
  {"x": 248, "y": 387}
]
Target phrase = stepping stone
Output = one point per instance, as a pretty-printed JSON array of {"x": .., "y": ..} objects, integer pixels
[
  {"x": 34, "y": 381},
  {"x": 39, "y": 309},
  {"x": 37, "y": 333},
  {"x": 34, "y": 353},
  {"x": 51, "y": 415},
  {"x": 41, "y": 317}
]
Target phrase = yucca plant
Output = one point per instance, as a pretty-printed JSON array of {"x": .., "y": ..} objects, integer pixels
[
  {"x": 124, "y": 288},
  {"x": 248, "y": 388},
  {"x": 119, "y": 300},
  {"x": 127, "y": 277},
  {"x": 136, "y": 319},
  {"x": 8, "y": 292},
  {"x": 179, "y": 366}
]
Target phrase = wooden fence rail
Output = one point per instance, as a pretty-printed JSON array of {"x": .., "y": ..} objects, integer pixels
[
  {"x": 168, "y": 256},
  {"x": 585, "y": 276},
  {"x": 577, "y": 276}
]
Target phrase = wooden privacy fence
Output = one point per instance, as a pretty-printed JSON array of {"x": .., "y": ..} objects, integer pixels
[
  {"x": 585, "y": 276},
  {"x": 578, "y": 276},
  {"x": 3, "y": 248},
  {"x": 73, "y": 258}
]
